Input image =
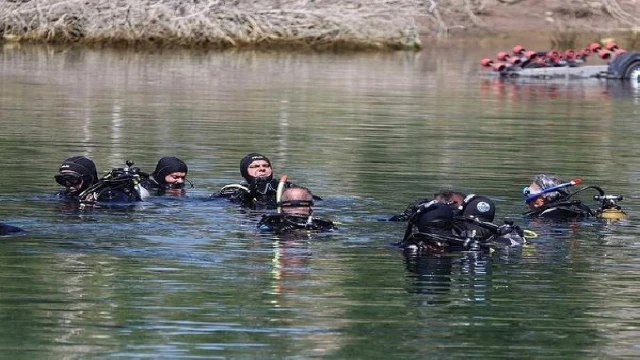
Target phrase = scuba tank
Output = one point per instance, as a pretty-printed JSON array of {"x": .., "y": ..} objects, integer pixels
[{"x": 609, "y": 209}]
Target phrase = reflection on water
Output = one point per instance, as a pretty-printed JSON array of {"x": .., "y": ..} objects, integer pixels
[
  {"x": 184, "y": 277},
  {"x": 435, "y": 276}
]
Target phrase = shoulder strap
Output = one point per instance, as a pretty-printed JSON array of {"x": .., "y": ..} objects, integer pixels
[{"x": 466, "y": 201}]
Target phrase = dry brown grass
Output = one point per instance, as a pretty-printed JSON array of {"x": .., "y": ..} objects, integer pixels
[
  {"x": 217, "y": 23},
  {"x": 313, "y": 24}
]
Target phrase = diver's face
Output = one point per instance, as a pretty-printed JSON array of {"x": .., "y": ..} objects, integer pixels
[
  {"x": 70, "y": 180},
  {"x": 537, "y": 203},
  {"x": 535, "y": 189},
  {"x": 175, "y": 178},
  {"x": 259, "y": 168},
  {"x": 174, "y": 183}
]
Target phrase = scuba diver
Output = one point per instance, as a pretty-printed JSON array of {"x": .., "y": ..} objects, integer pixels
[
  {"x": 169, "y": 176},
  {"x": 295, "y": 209},
  {"x": 446, "y": 224},
  {"x": 121, "y": 185},
  {"x": 10, "y": 230},
  {"x": 549, "y": 197},
  {"x": 259, "y": 189},
  {"x": 76, "y": 174}
]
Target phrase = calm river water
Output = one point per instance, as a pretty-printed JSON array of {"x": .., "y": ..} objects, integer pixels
[{"x": 186, "y": 278}]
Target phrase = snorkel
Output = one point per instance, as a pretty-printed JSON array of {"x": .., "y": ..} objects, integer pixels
[
  {"x": 281, "y": 184},
  {"x": 531, "y": 197}
]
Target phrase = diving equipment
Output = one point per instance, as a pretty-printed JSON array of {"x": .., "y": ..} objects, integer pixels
[
  {"x": 609, "y": 209},
  {"x": 118, "y": 185}
]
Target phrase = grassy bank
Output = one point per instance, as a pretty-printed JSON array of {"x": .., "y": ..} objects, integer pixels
[
  {"x": 214, "y": 23},
  {"x": 316, "y": 24}
]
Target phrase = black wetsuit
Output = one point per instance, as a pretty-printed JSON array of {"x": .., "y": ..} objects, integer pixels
[
  {"x": 473, "y": 206},
  {"x": 562, "y": 210},
  {"x": 438, "y": 227},
  {"x": 259, "y": 195},
  {"x": 9, "y": 230},
  {"x": 465, "y": 208},
  {"x": 281, "y": 223},
  {"x": 455, "y": 239},
  {"x": 102, "y": 195},
  {"x": 152, "y": 186}
]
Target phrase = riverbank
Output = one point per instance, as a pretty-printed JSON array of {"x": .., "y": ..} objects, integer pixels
[{"x": 329, "y": 24}]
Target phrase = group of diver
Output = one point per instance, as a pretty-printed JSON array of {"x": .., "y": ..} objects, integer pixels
[{"x": 450, "y": 220}]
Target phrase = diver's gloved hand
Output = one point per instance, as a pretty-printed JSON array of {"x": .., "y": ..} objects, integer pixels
[
  {"x": 508, "y": 227},
  {"x": 510, "y": 235},
  {"x": 400, "y": 217},
  {"x": 409, "y": 211}
]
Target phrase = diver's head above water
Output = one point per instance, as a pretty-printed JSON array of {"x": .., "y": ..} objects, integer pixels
[
  {"x": 450, "y": 197},
  {"x": 297, "y": 200},
  {"x": 76, "y": 174},
  {"x": 541, "y": 183},
  {"x": 255, "y": 166},
  {"x": 170, "y": 172}
]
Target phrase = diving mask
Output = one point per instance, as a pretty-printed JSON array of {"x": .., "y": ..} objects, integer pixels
[{"x": 69, "y": 179}]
